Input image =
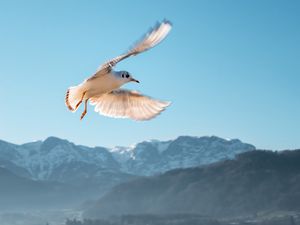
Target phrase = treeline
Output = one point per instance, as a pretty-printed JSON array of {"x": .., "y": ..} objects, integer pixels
[
  {"x": 88, "y": 222},
  {"x": 184, "y": 220}
]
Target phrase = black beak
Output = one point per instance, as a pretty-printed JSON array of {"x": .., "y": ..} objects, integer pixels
[{"x": 135, "y": 80}]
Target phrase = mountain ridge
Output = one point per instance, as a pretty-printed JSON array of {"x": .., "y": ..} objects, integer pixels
[
  {"x": 253, "y": 182},
  {"x": 40, "y": 160},
  {"x": 97, "y": 169}
]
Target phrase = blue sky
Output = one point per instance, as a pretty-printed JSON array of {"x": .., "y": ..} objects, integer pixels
[{"x": 231, "y": 69}]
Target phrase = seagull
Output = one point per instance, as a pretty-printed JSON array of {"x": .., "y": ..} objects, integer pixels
[{"x": 103, "y": 90}]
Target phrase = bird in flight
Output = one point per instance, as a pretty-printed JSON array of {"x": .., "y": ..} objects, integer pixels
[{"x": 103, "y": 88}]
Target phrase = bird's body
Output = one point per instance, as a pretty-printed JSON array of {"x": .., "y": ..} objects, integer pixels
[
  {"x": 103, "y": 88},
  {"x": 101, "y": 85}
]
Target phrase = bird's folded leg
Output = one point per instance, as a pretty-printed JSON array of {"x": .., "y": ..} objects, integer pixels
[
  {"x": 85, "y": 109},
  {"x": 78, "y": 104}
]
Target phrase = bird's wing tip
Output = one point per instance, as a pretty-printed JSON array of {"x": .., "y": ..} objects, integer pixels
[
  {"x": 168, "y": 22},
  {"x": 167, "y": 103}
]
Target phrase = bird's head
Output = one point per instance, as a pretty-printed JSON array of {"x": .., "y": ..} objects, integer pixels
[{"x": 126, "y": 77}]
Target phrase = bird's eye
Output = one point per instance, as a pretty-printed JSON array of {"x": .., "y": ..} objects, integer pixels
[
  {"x": 123, "y": 75},
  {"x": 127, "y": 75}
]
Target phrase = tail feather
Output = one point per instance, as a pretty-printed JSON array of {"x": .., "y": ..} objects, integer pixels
[{"x": 73, "y": 96}]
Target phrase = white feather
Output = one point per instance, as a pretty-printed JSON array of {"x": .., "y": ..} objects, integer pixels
[{"x": 123, "y": 103}]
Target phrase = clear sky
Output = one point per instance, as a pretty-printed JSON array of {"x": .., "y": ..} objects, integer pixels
[{"x": 230, "y": 68}]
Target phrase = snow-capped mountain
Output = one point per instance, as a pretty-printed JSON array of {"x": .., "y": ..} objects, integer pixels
[
  {"x": 60, "y": 160},
  {"x": 152, "y": 157}
]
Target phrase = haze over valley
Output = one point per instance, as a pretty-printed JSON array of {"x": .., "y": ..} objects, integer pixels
[{"x": 205, "y": 176}]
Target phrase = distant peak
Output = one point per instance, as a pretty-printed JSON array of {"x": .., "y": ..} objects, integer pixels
[
  {"x": 51, "y": 142},
  {"x": 52, "y": 138}
]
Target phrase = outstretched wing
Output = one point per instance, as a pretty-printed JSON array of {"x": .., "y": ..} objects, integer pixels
[
  {"x": 123, "y": 103},
  {"x": 149, "y": 40}
]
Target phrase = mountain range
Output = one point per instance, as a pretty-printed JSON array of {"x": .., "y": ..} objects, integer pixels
[
  {"x": 56, "y": 166},
  {"x": 254, "y": 182},
  {"x": 207, "y": 176},
  {"x": 60, "y": 160}
]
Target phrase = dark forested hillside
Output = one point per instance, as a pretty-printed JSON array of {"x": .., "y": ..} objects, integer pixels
[{"x": 254, "y": 182}]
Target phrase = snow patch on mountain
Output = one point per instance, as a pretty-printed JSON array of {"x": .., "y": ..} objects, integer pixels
[{"x": 61, "y": 160}]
